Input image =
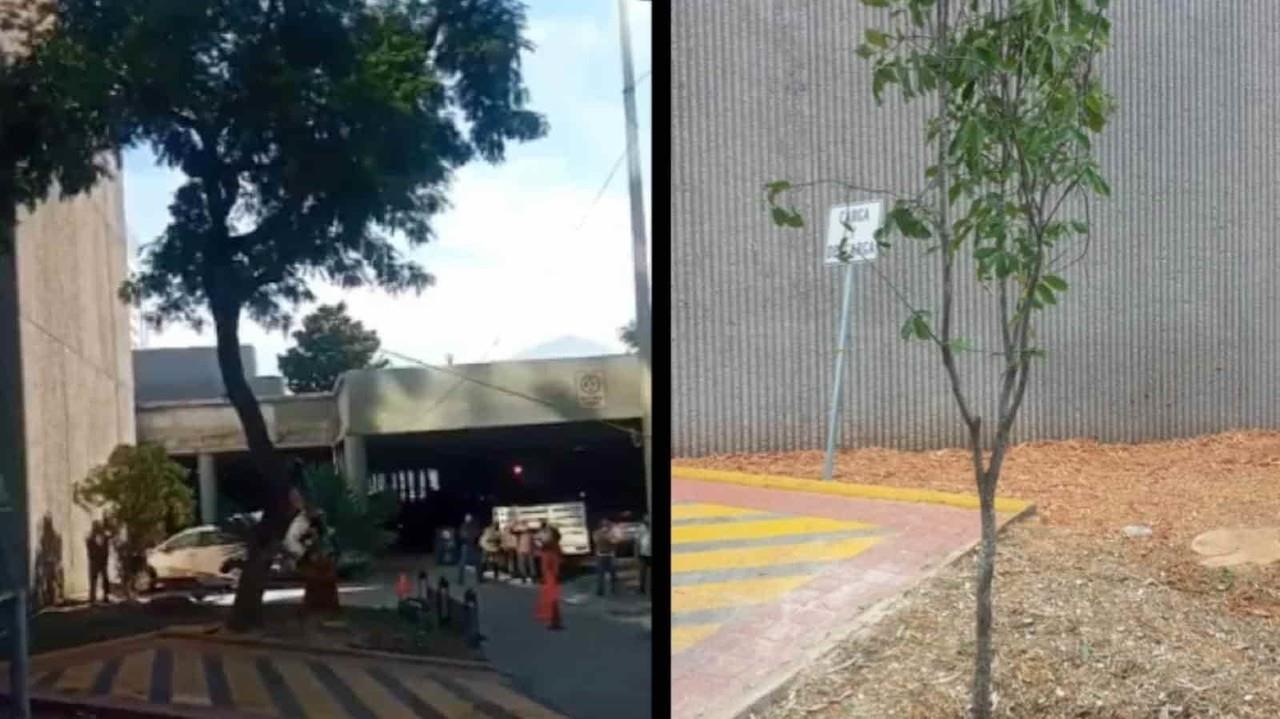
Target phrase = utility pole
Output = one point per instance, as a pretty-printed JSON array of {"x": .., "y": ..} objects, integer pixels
[{"x": 639, "y": 255}]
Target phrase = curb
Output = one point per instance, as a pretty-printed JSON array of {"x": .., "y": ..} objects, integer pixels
[
  {"x": 848, "y": 489},
  {"x": 109, "y": 708},
  {"x": 277, "y": 645},
  {"x": 862, "y": 624}
]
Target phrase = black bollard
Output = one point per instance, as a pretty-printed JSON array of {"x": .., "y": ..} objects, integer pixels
[
  {"x": 442, "y": 601},
  {"x": 471, "y": 612}
]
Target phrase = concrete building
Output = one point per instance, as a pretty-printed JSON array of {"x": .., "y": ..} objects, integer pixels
[
  {"x": 191, "y": 373},
  {"x": 1171, "y": 323},
  {"x": 66, "y": 381},
  {"x": 526, "y": 429}
]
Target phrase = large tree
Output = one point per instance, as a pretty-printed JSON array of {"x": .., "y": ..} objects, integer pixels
[
  {"x": 56, "y": 113},
  {"x": 1015, "y": 101},
  {"x": 317, "y": 137},
  {"x": 329, "y": 343}
]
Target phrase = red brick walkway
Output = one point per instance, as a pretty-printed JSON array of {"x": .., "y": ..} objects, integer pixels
[{"x": 760, "y": 648}]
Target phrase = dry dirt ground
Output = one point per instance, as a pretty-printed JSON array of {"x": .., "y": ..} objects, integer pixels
[{"x": 1090, "y": 623}]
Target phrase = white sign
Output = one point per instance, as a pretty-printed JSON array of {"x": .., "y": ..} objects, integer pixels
[
  {"x": 851, "y": 232},
  {"x": 590, "y": 389}
]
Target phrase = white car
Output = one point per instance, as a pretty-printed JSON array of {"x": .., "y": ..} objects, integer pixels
[{"x": 200, "y": 553}]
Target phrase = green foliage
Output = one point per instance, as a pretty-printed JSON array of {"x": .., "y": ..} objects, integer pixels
[
  {"x": 357, "y": 521},
  {"x": 329, "y": 343},
  {"x": 143, "y": 494},
  {"x": 627, "y": 333},
  {"x": 1021, "y": 105},
  {"x": 56, "y": 113},
  {"x": 917, "y": 326},
  {"x": 317, "y": 138},
  {"x": 314, "y": 136}
]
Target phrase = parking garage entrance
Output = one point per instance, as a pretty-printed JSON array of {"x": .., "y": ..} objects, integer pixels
[{"x": 442, "y": 476}]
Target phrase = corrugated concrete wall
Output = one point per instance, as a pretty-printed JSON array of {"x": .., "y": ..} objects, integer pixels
[
  {"x": 1171, "y": 324},
  {"x": 76, "y": 371}
]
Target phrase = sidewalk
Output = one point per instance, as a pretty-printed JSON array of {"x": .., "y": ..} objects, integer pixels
[{"x": 765, "y": 580}]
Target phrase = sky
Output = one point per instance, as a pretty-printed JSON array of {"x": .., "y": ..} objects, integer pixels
[{"x": 526, "y": 255}]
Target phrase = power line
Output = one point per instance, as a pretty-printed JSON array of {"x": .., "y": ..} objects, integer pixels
[
  {"x": 639, "y": 80},
  {"x": 458, "y": 383},
  {"x": 613, "y": 171},
  {"x": 603, "y": 187}
]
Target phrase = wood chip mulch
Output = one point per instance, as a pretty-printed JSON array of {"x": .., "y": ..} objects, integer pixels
[{"x": 1090, "y": 623}]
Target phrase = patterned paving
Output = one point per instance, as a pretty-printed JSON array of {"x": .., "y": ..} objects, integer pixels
[
  {"x": 727, "y": 559},
  {"x": 202, "y": 678}
]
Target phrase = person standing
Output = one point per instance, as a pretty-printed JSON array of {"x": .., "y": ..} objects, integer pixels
[
  {"x": 508, "y": 542},
  {"x": 548, "y": 607},
  {"x": 540, "y": 538},
  {"x": 99, "y": 549},
  {"x": 468, "y": 534},
  {"x": 645, "y": 550},
  {"x": 491, "y": 545},
  {"x": 524, "y": 553},
  {"x": 605, "y": 551}
]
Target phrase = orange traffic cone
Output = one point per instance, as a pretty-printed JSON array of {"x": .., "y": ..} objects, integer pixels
[{"x": 402, "y": 586}]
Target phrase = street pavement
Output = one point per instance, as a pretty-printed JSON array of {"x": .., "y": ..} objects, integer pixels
[
  {"x": 191, "y": 675},
  {"x": 599, "y": 666},
  {"x": 765, "y": 580}
]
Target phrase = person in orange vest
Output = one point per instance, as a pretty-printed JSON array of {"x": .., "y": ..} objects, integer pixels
[{"x": 548, "y": 608}]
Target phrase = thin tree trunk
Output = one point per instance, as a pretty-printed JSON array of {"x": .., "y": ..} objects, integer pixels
[
  {"x": 264, "y": 543},
  {"x": 983, "y": 653}
]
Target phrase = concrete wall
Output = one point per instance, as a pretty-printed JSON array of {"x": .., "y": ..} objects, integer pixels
[
  {"x": 405, "y": 400},
  {"x": 191, "y": 373},
  {"x": 1171, "y": 324},
  {"x": 187, "y": 428},
  {"x": 76, "y": 372},
  {"x": 402, "y": 401}
]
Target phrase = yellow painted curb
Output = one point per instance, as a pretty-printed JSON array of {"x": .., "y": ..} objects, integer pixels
[{"x": 846, "y": 489}]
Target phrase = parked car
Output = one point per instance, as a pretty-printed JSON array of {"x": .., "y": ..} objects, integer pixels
[{"x": 203, "y": 554}]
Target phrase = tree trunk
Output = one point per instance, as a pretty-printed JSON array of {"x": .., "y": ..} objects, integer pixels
[
  {"x": 246, "y": 613},
  {"x": 986, "y": 575}
]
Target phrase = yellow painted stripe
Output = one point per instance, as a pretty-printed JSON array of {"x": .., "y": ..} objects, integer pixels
[
  {"x": 375, "y": 696},
  {"x": 686, "y": 636},
  {"x": 247, "y": 692},
  {"x": 704, "y": 511},
  {"x": 189, "y": 685},
  {"x": 846, "y": 489},
  {"x": 134, "y": 678},
  {"x": 504, "y": 697},
  {"x": 717, "y": 595},
  {"x": 761, "y": 529},
  {"x": 828, "y": 551},
  {"x": 312, "y": 695},
  {"x": 78, "y": 677},
  {"x": 437, "y": 697}
]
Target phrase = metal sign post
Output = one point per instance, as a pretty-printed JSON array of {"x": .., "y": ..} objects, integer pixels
[{"x": 850, "y": 240}]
